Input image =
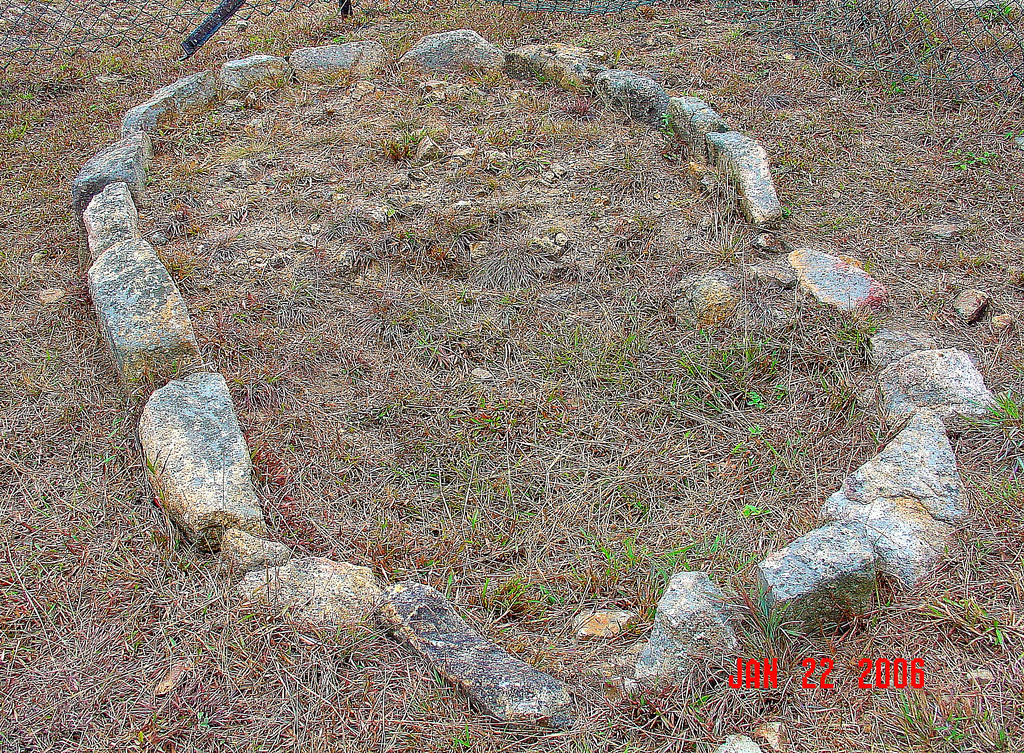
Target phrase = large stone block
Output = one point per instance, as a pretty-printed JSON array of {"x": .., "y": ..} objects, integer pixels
[
  {"x": 745, "y": 162},
  {"x": 836, "y": 281},
  {"x": 316, "y": 590},
  {"x": 126, "y": 161},
  {"x": 822, "y": 579},
  {"x": 641, "y": 98},
  {"x": 198, "y": 460},
  {"x": 141, "y": 314},
  {"x": 453, "y": 51},
  {"x": 692, "y": 119},
  {"x": 320, "y": 64},
  {"x": 570, "y": 67},
  {"x": 944, "y": 381},
  {"x": 241, "y": 552},
  {"x": 258, "y": 70},
  {"x": 189, "y": 94},
  {"x": 691, "y": 627},
  {"x": 499, "y": 683},
  {"x": 110, "y": 218}
]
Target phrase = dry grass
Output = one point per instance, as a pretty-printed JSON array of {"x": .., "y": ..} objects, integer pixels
[{"x": 615, "y": 444}]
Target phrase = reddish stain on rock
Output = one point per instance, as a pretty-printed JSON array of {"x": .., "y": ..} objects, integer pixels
[{"x": 836, "y": 281}]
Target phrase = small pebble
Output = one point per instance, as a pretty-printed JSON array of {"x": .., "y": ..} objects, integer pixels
[
  {"x": 38, "y": 257},
  {"x": 482, "y": 375},
  {"x": 971, "y": 304},
  {"x": 158, "y": 239},
  {"x": 1002, "y": 321},
  {"x": 51, "y": 295}
]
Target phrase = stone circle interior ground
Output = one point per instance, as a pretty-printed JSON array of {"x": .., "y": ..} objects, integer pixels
[{"x": 614, "y": 441}]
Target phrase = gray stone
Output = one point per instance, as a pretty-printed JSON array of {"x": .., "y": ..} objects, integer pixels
[
  {"x": 745, "y": 162},
  {"x": 317, "y": 64},
  {"x": 126, "y": 161},
  {"x": 258, "y": 70},
  {"x": 241, "y": 552},
  {"x": 779, "y": 274},
  {"x": 691, "y": 626},
  {"x": 891, "y": 344},
  {"x": 836, "y": 281},
  {"x": 315, "y": 590},
  {"x": 692, "y": 119},
  {"x": 1019, "y": 141},
  {"x": 639, "y": 97},
  {"x": 569, "y": 67},
  {"x": 944, "y": 381},
  {"x": 712, "y": 298},
  {"x": 110, "y": 218},
  {"x": 189, "y": 94},
  {"x": 454, "y": 50},
  {"x": 502, "y": 685},
  {"x": 971, "y": 304},
  {"x": 823, "y": 578},
  {"x": 739, "y": 744},
  {"x": 198, "y": 461},
  {"x": 141, "y": 314}
]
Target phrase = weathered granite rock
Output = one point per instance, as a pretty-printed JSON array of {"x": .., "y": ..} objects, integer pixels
[
  {"x": 198, "y": 461},
  {"x": 141, "y": 314},
  {"x": 317, "y": 64},
  {"x": 110, "y": 218},
  {"x": 126, "y": 161},
  {"x": 241, "y": 552},
  {"x": 569, "y": 67},
  {"x": 712, "y": 298},
  {"x": 823, "y": 578},
  {"x": 315, "y": 590},
  {"x": 251, "y": 72},
  {"x": 639, "y": 97},
  {"x": 745, "y": 162},
  {"x": 739, "y": 744},
  {"x": 779, "y": 274},
  {"x": 604, "y": 623},
  {"x": 502, "y": 685},
  {"x": 185, "y": 95},
  {"x": 692, "y": 119},
  {"x": 691, "y": 625},
  {"x": 836, "y": 281},
  {"x": 454, "y": 50},
  {"x": 970, "y": 305},
  {"x": 891, "y": 344},
  {"x": 944, "y": 381}
]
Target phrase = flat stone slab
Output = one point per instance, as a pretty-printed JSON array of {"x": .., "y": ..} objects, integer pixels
[
  {"x": 745, "y": 162},
  {"x": 835, "y": 281},
  {"x": 317, "y": 64},
  {"x": 890, "y": 344},
  {"x": 691, "y": 626},
  {"x": 241, "y": 552},
  {"x": 110, "y": 218},
  {"x": 126, "y": 161},
  {"x": 251, "y": 72},
  {"x": 189, "y": 94},
  {"x": 141, "y": 314},
  {"x": 692, "y": 119},
  {"x": 502, "y": 685},
  {"x": 315, "y": 590},
  {"x": 641, "y": 98},
  {"x": 454, "y": 50},
  {"x": 198, "y": 461},
  {"x": 944, "y": 381},
  {"x": 569, "y": 67},
  {"x": 822, "y": 579}
]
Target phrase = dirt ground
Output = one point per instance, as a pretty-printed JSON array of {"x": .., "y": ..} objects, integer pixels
[{"x": 351, "y": 293}]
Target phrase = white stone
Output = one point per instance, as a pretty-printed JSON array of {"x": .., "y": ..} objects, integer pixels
[
  {"x": 110, "y": 218},
  {"x": 944, "y": 381},
  {"x": 739, "y": 744},
  {"x": 319, "y": 64},
  {"x": 189, "y": 94},
  {"x": 241, "y": 552},
  {"x": 258, "y": 70},
  {"x": 454, "y": 50},
  {"x": 745, "y": 162}
]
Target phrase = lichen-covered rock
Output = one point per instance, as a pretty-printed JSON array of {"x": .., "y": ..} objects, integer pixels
[
  {"x": 692, "y": 119},
  {"x": 241, "y": 552},
  {"x": 318, "y": 64},
  {"x": 891, "y": 344},
  {"x": 944, "y": 381},
  {"x": 502, "y": 685},
  {"x": 454, "y": 50},
  {"x": 315, "y": 590},
  {"x": 822, "y": 579},
  {"x": 569, "y": 67},
  {"x": 185, "y": 95},
  {"x": 639, "y": 97},
  {"x": 198, "y": 461},
  {"x": 604, "y": 623},
  {"x": 110, "y": 218},
  {"x": 126, "y": 161},
  {"x": 691, "y": 626},
  {"x": 712, "y": 298},
  {"x": 141, "y": 314},
  {"x": 745, "y": 162},
  {"x": 251, "y": 72},
  {"x": 835, "y": 281}
]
